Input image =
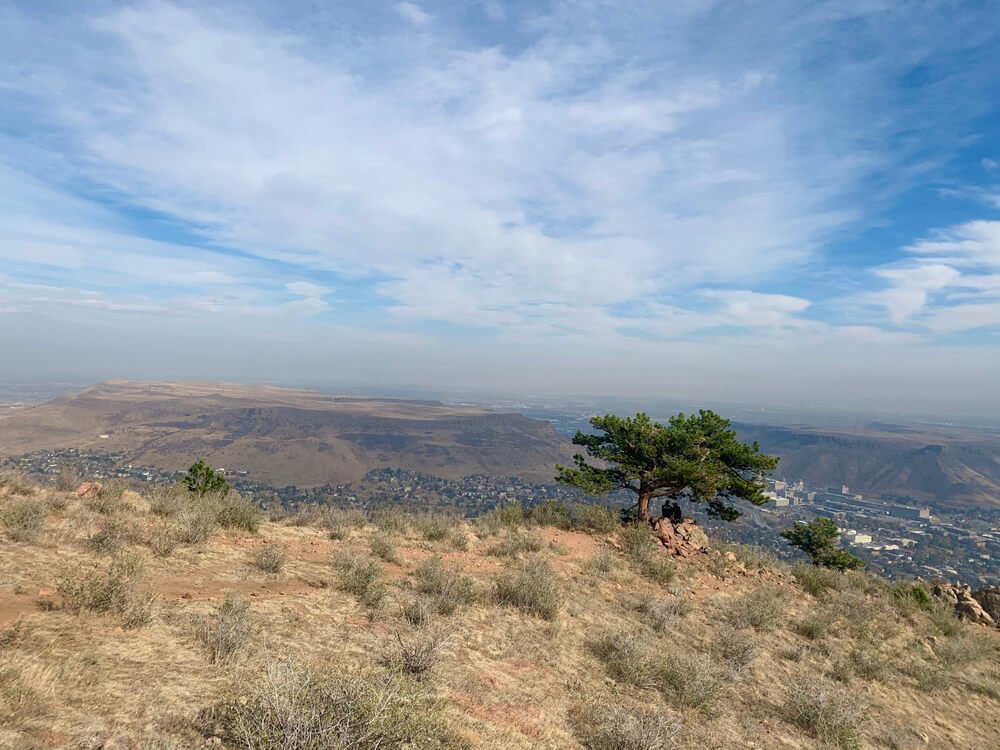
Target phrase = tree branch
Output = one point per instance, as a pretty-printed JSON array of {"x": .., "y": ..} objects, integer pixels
[{"x": 664, "y": 491}]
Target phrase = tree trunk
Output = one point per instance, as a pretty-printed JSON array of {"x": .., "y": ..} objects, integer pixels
[{"x": 644, "y": 506}]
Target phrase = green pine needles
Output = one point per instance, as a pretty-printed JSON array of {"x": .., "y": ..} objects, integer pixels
[{"x": 697, "y": 455}]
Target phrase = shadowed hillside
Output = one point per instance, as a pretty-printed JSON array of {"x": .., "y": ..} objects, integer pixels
[
  {"x": 949, "y": 467},
  {"x": 172, "y": 621},
  {"x": 283, "y": 436}
]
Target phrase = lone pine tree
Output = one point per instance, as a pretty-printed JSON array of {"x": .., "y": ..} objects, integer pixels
[{"x": 697, "y": 455}]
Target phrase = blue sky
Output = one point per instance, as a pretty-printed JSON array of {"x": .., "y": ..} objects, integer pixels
[{"x": 765, "y": 201}]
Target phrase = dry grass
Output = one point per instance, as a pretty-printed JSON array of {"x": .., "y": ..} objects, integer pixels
[
  {"x": 391, "y": 520},
  {"x": 661, "y": 614},
  {"x": 417, "y": 655},
  {"x": 596, "y": 519},
  {"x": 110, "y": 591},
  {"x": 227, "y": 631},
  {"x": 162, "y": 539},
  {"x": 530, "y": 586},
  {"x": 434, "y": 527},
  {"x": 417, "y": 611},
  {"x": 296, "y": 706},
  {"x": 760, "y": 609},
  {"x": 688, "y": 678},
  {"x": 831, "y": 714},
  {"x": 362, "y": 577},
  {"x": 384, "y": 546},
  {"x": 737, "y": 648},
  {"x": 112, "y": 535},
  {"x": 448, "y": 588},
  {"x": 818, "y": 581},
  {"x": 23, "y": 518},
  {"x": 270, "y": 558},
  {"x": 14, "y": 483},
  {"x": 517, "y": 543},
  {"x": 339, "y": 522},
  {"x": 507, "y": 679},
  {"x": 603, "y": 726}
]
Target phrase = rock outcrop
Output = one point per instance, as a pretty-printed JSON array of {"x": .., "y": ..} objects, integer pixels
[
  {"x": 682, "y": 539},
  {"x": 989, "y": 599},
  {"x": 959, "y": 595}
]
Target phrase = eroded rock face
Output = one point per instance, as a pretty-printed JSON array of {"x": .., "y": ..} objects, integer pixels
[
  {"x": 959, "y": 595},
  {"x": 989, "y": 599},
  {"x": 682, "y": 539}
]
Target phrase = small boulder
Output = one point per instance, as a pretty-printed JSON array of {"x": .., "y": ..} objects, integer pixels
[{"x": 89, "y": 489}]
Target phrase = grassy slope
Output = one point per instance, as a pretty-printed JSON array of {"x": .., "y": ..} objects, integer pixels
[{"x": 502, "y": 678}]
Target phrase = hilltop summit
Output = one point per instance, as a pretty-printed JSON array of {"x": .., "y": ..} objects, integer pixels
[{"x": 166, "y": 620}]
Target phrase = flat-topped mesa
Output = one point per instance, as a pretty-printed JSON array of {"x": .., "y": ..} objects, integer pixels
[{"x": 285, "y": 436}]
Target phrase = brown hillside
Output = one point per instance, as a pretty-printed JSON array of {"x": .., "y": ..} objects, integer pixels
[
  {"x": 946, "y": 467},
  {"x": 137, "y": 622},
  {"x": 284, "y": 436}
]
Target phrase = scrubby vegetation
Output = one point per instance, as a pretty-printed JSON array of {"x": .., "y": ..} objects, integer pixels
[
  {"x": 531, "y": 587},
  {"x": 143, "y": 614}
]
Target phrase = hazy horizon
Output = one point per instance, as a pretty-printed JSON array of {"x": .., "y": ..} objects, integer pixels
[{"x": 700, "y": 202}]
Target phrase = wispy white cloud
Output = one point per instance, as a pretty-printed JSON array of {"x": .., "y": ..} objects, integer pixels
[
  {"x": 413, "y": 13},
  {"x": 606, "y": 168}
]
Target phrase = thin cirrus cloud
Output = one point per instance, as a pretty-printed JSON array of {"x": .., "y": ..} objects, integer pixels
[{"x": 551, "y": 178}]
